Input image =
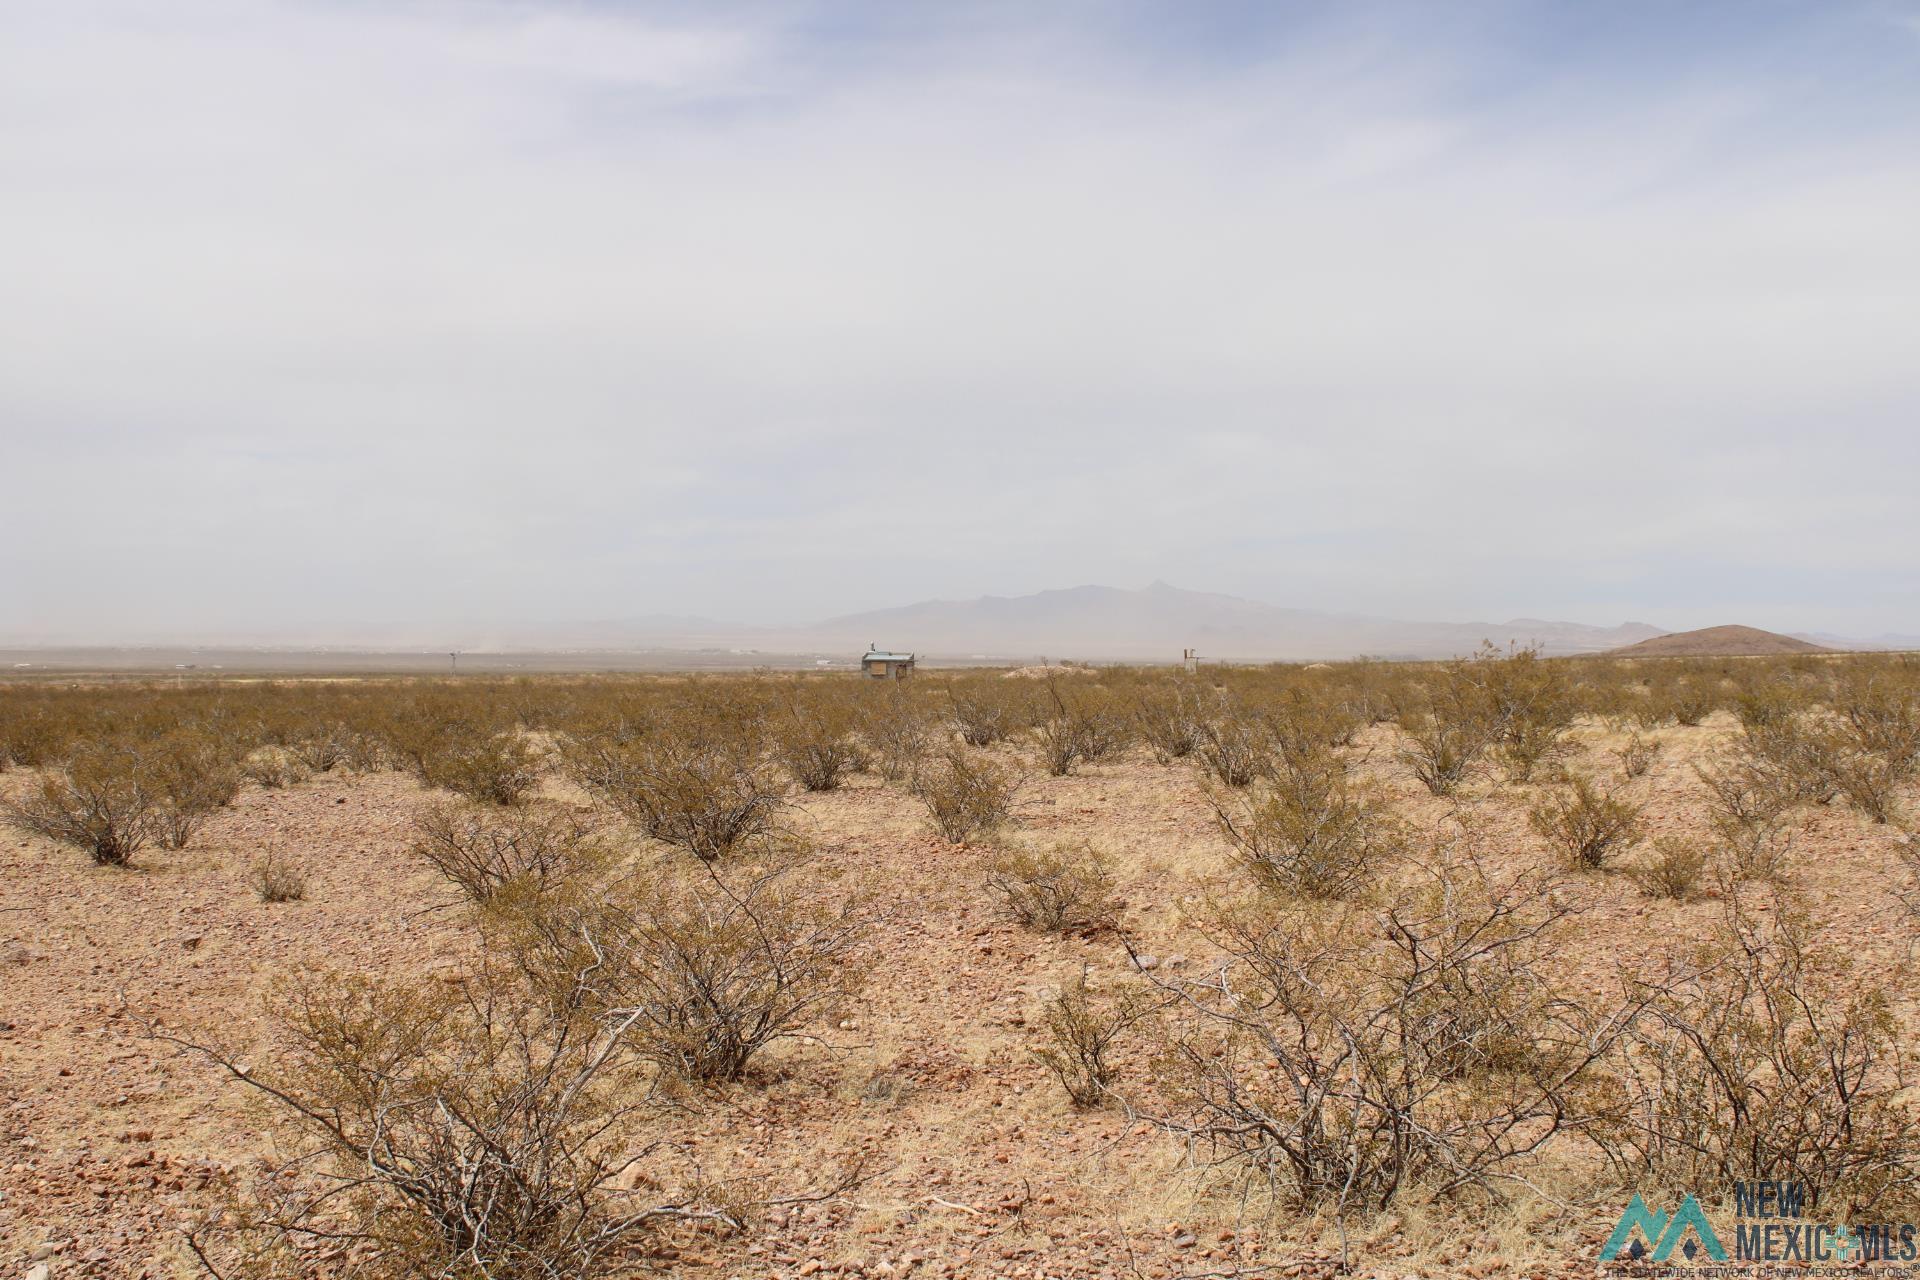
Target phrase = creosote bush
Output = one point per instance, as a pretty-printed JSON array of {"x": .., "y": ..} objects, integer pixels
[
  {"x": 499, "y": 767},
  {"x": 1341, "y": 1057},
  {"x": 1588, "y": 825},
  {"x": 1232, "y": 745},
  {"x": 814, "y": 741},
  {"x": 1674, "y": 870},
  {"x": 1767, "y": 1059},
  {"x": 702, "y": 788},
  {"x": 1166, "y": 720},
  {"x": 274, "y": 768},
  {"x": 1530, "y": 701},
  {"x": 1081, "y": 1028},
  {"x": 898, "y": 730},
  {"x": 1308, "y": 832},
  {"x": 1637, "y": 755},
  {"x": 484, "y": 851},
  {"x": 448, "y": 1130},
  {"x": 101, "y": 803},
  {"x": 33, "y": 732},
  {"x": 987, "y": 713},
  {"x": 1054, "y": 889},
  {"x": 1749, "y": 807},
  {"x": 277, "y": 878},
  {"x": 192, "y": 774},
  {"x": 967, "y": 795},
  {"x": 1077, "y": 728},
  {"x": 703, "y": 968},
  {"x": 1447, "y": 737},
  {"x": 1687, "y": 702}
]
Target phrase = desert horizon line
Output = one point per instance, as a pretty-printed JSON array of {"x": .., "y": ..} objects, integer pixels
[{"x": 1067, "y": 619}]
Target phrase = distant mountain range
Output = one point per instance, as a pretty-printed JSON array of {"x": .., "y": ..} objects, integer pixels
[
  {"x": 1093, "y": 622},
  {"x": 1161, "y": 620}
]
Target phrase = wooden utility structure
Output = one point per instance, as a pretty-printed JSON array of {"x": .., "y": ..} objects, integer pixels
[{"x": 878, "y": 664}]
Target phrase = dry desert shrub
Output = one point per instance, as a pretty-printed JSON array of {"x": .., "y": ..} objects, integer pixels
[
  {"x": 1079, "y": 727},
  {"x": 336, "y": 745},
  {"x": 1674, "y": 871},
  {"x": 1816, "y": 757},
  {"x": 987, "y": 713},
  {"x": 1081, "y": 1028},
  {"x": 1309, "y": 833},
  {"x": 1802, "y": 754},
  {"x": 1342, "y": 1057},
  {"x": 1056, "y": 889},
  {"x": 1768, "y": 1059},
  {"x": 1634, "y": 701},
  {"x": 1746, "y": 791},
  {"x": 704, "y": 970},
  {"x": 899, "y": 731},
  {"x": 1687, "y": 702},
  {"x": 274, "y": 768},
  {"x": 1875, "y": 748},
  {"x": 102, "y": 803},
  {"x": 1588, "y": 825},
  {"x": 276, "y": 878},
  {"x": 1637, "y": 755},
  {"x": 1872, "y": 783},
  {"x": 1748, "y": 807},
  {"x": 704, "y": 789},
  {"x": 1882, "y": 708},
  {"x": 966, "y": 793},
  {"x": 1233, "y": 745},
  {"x": 192, "y": 774},
  {"x": 815, "y": 741},
  {"x": 499, "y": 767},
  {"x": 1454, "y": 726},
  {"x": 34, "y": 732},
  {"x": 484, "y": 851},
  {"x": 1166, "y": 719},
  {"x": 1756, "y": 851},
  {"x": 427, "y": 1129},
  {"x": 1765, "y": 700},
  {"x": 1531, "y": 702},
  {"x": 1301, "y": 735}
]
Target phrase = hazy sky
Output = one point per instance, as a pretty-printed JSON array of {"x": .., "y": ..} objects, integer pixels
[{"x": 321, "y": 315}]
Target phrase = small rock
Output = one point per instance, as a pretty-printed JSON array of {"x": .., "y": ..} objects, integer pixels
[
  {"x": 1184, "y": 1241},
  {"x": 39, "y": 1271},
  {"x": 1173, "y": 961},
  {"x": 1143, "y": 963}
]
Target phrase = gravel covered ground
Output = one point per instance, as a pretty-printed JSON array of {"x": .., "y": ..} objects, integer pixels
[{"x": 111, "y": 1140}]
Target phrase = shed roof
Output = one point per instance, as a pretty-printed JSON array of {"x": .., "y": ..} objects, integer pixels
[{"x": 877, "y": 655}]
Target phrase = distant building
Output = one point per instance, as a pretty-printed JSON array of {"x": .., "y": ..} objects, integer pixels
[{"x": 880, "y": 665}]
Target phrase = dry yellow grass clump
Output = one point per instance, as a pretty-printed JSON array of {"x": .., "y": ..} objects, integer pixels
[{"x": 1370, "y": 967}]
